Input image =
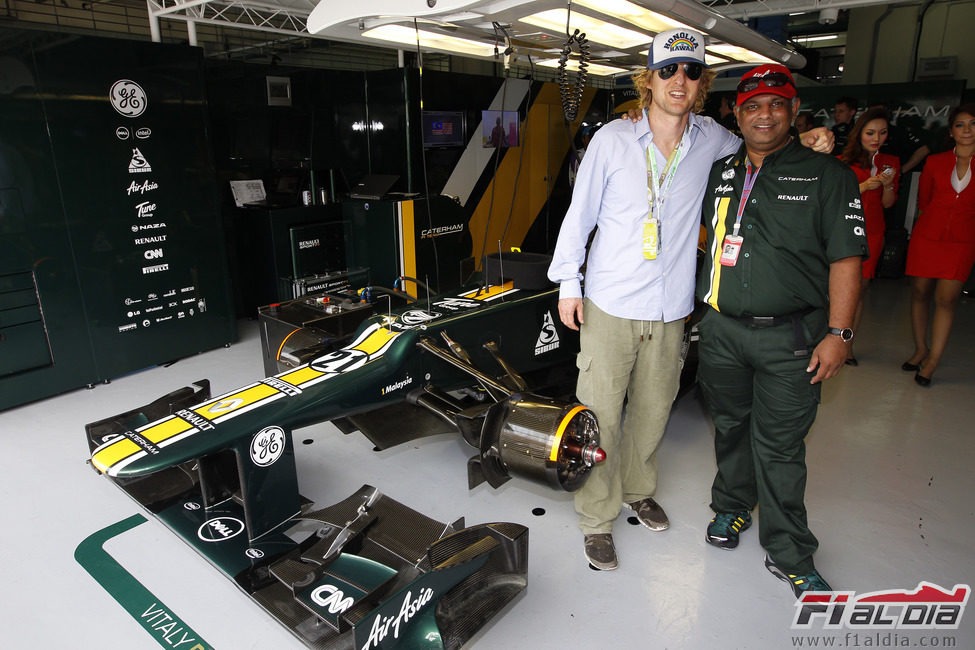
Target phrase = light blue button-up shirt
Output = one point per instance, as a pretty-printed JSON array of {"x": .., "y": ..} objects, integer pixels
[{"x": 610, "y": 194}]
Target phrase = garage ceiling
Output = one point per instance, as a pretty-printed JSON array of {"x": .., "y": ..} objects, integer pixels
[
  {"x": 346, "y": 29},
  {"x": 617, "y": 30}
]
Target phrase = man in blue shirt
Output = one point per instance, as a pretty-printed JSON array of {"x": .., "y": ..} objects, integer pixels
[{"x": 640, "y": 186}]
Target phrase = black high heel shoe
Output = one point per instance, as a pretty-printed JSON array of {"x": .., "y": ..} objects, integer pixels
[
  {"x": 922, "y": 380},
  {"x": 907, "y": 366}
]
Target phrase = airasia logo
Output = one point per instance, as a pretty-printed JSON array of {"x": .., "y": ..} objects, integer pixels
[{"x": 383, "y": 625}]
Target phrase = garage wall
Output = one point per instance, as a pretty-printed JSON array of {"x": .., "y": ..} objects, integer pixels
[{"x": 946, "y": 31}]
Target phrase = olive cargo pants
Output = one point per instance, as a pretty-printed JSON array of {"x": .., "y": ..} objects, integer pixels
[{"x": 639, "y": 361}]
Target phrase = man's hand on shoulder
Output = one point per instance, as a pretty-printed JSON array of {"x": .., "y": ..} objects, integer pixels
[
  {"x": 632, "y": 115},
  {"x": 819, "y": 139},
  {"x": 570, "y": 310},
  {"x": 829, "y": 356}
]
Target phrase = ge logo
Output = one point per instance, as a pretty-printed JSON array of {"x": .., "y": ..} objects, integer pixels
[
  {"x": 128, "y": 98},
  {"x": 267, "y": 446},
  {"x": 335, "y": 601}
]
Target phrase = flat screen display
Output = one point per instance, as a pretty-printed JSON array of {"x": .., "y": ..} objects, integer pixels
[
  {"x": 443, "y": 129},
  {"x": 499, "y": 129}
]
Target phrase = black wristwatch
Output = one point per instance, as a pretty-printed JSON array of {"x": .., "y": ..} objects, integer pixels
[{"x": 846, "y": 334}]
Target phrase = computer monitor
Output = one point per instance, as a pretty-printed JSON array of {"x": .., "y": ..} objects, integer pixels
[{"x": 444, "y": 129}]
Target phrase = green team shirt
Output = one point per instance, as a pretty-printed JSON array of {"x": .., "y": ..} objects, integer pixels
[{"x": 802, "y": 214}]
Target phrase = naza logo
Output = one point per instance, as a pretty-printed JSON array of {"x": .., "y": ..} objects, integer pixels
[
  {"x": 924, "y": 608},
  {"x": 220, "y": 529}
]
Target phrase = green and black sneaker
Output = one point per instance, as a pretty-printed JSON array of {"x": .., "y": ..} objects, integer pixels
[
  {"x": 800, "y": 583},
  {"x": 724, "y": 528}
]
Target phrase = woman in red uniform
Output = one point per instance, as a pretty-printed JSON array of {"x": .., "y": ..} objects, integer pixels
[
  {"x": 942, "y": 249},
  {"x": 879, "y": 175}
]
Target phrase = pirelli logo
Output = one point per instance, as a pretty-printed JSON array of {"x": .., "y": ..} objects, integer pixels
[{"x": 111, "y": 457}]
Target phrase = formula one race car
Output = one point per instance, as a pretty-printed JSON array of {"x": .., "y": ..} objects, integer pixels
[{"x": 368, "y": 571}]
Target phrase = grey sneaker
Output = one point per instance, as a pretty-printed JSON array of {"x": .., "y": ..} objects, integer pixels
[
  {"x": 650, "y": 514},
  {"x": 800, "y": 583},
  {"x": 600, "y": 551}
]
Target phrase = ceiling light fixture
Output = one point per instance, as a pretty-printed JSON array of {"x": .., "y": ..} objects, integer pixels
[
  {"x": 738, "y": 53},
  {"x": 428, "y": 39},
  {"x": 814, "y": 39},
  {"x": 632, "y": 13},
  {"x": 595, "y": 30},
  {"x": 593, "y": 68}
]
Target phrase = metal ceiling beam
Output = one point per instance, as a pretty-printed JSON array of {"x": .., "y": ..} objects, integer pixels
[
  {"x": 745, "y": 10},
  {"x": 258, "y": 16}
]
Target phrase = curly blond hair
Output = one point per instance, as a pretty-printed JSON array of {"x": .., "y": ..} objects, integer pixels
[{"x": 642, "y": 82}]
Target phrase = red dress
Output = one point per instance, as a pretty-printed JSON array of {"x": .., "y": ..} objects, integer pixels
[
  {"x": 943, "y": 240},
  {"x": 873, "y": 209}
]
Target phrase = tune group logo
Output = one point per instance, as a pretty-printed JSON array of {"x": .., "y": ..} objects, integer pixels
[{"x": 928, "y": 607}]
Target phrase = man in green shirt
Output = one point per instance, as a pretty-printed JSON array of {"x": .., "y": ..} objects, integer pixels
[{"x": 785, "y": 241}]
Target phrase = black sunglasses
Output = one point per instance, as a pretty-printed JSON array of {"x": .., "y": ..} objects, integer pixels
[
  {"x": 692, "y": 71},
  {"x": 771, "y": 80}
]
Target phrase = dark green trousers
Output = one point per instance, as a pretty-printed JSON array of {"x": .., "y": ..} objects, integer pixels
[{"x": 762, "y": 404}]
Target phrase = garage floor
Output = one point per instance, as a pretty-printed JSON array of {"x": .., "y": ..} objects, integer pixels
[{"x": 890, "y": 496}]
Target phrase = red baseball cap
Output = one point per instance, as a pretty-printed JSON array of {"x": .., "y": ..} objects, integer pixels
[{"x": 769, "y": 78}]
